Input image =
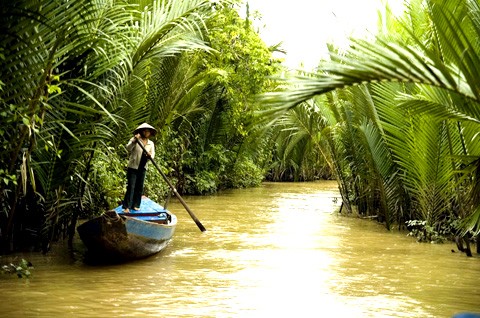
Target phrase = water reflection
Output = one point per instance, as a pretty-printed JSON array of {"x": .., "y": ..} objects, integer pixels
[{"x": 277, "y": 250}]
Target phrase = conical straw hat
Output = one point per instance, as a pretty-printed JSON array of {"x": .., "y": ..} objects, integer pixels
[{"x": 145, "y": 126}]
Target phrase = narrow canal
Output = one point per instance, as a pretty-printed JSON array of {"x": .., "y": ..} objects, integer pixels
[{"x": 279, "y": 250}]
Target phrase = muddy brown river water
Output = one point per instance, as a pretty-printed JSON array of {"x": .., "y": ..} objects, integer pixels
[{"x": 279, "y": 250}]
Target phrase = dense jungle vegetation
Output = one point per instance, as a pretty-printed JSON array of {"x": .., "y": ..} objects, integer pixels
[{"x": 394, "y": 119}]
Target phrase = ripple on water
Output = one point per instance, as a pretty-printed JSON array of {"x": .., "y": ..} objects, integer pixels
[{"x": 273, "y": 251}]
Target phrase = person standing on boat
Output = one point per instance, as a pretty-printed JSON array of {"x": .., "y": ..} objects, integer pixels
[{"x": 137, "y": 165}]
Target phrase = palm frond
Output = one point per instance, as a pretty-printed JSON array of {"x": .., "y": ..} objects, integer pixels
[{"x": 389, "y": 61}]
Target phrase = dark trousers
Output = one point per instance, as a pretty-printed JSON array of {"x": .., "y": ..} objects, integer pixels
[{"x": 135, "y": 182}]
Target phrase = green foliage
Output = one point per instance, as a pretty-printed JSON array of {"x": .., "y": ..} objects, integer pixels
[
  {"x": 22, "y": 269},
  {"x": 403, "y": 145},
  {"x": 155, "y": 186},
  {"x": 204, "y": 182},
  {"x": 245, "y": 174},
  {"x": 298, "y": 149},
  {"x": 423, "y": 232},
  {"x": 105, "y": 188},
  {"x": 205, "y": 105},
  {"x": 74, "y": 82},
  {"x": 247, "y": 63},
  {"x": 207, "y": 170},
  {"x": 7, "y": 178}
]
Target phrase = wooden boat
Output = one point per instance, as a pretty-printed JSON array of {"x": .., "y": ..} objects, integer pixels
[{"x": 119, "y": 236}]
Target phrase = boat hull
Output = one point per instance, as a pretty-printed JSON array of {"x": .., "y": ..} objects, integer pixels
[{"x": 118, "y": 236}]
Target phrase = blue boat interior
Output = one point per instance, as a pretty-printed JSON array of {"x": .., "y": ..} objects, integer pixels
[{"x": 149, "y": 211}]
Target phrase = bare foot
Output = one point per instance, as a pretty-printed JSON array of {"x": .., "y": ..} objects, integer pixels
[
  {"x": 126, "y": 210},
  {"x": 136, "y": 209}
]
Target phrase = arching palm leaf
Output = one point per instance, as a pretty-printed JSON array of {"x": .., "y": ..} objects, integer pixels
[{"x": 443, "y": 62}]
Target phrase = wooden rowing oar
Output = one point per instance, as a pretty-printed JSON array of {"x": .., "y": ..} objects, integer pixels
[{"x": 194, "y": 218}]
